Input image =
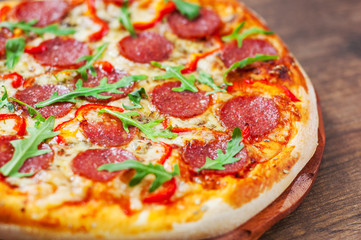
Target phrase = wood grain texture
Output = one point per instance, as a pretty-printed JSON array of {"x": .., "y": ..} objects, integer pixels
[{"x": 325, "y": 36}]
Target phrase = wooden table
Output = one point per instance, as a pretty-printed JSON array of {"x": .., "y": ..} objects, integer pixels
[{"x": 325, "y": 36}]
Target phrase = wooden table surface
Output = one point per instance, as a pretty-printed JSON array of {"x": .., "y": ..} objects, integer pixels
[{"x": 325, "y": 36}]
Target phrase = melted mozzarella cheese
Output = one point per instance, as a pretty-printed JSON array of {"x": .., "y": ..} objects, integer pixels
[
  {"x": 7, "y": 127},
  {"x": 59, "y": 184}
]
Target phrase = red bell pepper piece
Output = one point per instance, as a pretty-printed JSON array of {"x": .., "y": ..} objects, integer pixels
[
  {"x": 167, "y": 152},
  {"x": 164, "y": 194},
  {"x": 104, "y": 65},
  {"x": 17, "y": 79},
  {"x": 4, "y": 12},
  {"x": 36, "y": 49},
  {"x": 195, "y": 57},
  {"x": 20, "y": 124},
  {"x": 168, "y": 8},
  {"x": 104, "y": 28}
]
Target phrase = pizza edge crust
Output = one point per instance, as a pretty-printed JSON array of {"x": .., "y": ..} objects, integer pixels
[{"x": 305, "y": 142}]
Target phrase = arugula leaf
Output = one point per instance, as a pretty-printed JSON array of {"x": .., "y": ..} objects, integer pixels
[
  {"x": 234, "y": 35},
  {"x": 14, "y": 49},
  {"x": 142, "y": 170},
  {"x": 135, "y": 97},
  {"x": 175, "y": 72},
  {"x": 81, "y": 91},
  {"x": 32, "y": 111},
  {"x": 206, "y": 79},
  {"x": 190, "y": 10},
  {"x": 251, "y": 31},
  {"x": 234, "y": 146},
  {"x": 145, "y": 128},
  {"x": 28, "y": 27},
  {"x": 90, "y": 61},
  {"x": 125, "y": 19},
  {"x": 28, "y": 147},
  {"x": 4, "y": 102},
  {"x": 240, "y": 37},
  {"x": 248, "y": 61}
]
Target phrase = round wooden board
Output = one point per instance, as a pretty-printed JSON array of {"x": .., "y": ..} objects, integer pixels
[{"x": 290, "y": 199}]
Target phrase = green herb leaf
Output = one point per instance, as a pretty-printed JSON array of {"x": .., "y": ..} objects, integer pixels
[
  {"x": 247, "y": 61},
  {"x": 90, "y": 61},
  {"x": 142, "y": 170},
  {"x": 4, "y": 102},
  {"x": 81, "y": 91},
  {"x": 207, "y": 79},
  {"x": 147, "y": 128},
  {"x": 190, "y": 10},
  {"x": 125, "y": 19},
  {"x": 251, "y": 31},
  {"x": 234, "y": 146},
  {"x": 234, "y": 35},
  {"x": 135, "y": 97},
  {"x": 32, "y": 111},
  {"x": 28, "y": 147},
  {"x": 175, "y": 72},
  {"x": 240, "y": 37},
  {"x": 28, "y": 27},
  {"x": 14, "y": 49}
]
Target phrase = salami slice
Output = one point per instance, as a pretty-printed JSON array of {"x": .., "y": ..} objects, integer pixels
[
  {"x": 62, "y": 53},
  {"x": 46, "y": 12},
  {"x": 261, "y": 114},
  {"x": 195, "y": 153},
  {"x": 207, "y": 24},
  {"x": 184, "y": 104},
  {"x": 232, "y": 53},
  {"x": 86, "y": 163},
  {"x": 106, "y": 130},
  {"x": 146, "y": 47},
  {"x": 39, "y": 93},
  {"x": 31, "y": 165},
  {"x": 113, "y": 77}
]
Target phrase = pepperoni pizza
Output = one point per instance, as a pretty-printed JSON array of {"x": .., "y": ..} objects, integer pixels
[{"x": 147, "y": 119}]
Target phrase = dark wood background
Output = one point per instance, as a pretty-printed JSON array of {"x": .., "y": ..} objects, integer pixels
[{"x": 325, "y": 36}]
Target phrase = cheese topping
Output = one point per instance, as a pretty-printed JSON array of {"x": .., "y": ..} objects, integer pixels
[{"x": 59, "y": 185}]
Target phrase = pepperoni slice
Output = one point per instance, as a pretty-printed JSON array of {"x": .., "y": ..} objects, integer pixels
[
  {"x": 62, "y": 53},
  {"x": 113, "y": 77},
  {"x": 261, "y": 114},
  {"x": 147, "y": 47},
  {"x": 207, "y": 24},
  {"x": 86, "y": 163},
  {"x": 46, "y": 12},
  {"x": 31, "y": 165},
  {"x": 184, "y": 104},
  {"x": 39, "y": 93},
  {"x": 195, "y": 153},
  {"x": 250, "y": 47},
  {"x": 107, "y": 130}
]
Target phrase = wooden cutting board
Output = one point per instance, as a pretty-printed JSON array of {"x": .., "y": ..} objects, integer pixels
[{"x": 290, "y": 199}]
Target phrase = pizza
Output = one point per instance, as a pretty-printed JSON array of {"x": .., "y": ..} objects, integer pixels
[{"x": 149, "y": 119}]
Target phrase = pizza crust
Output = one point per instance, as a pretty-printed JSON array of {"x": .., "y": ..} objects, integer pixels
[{"x": 221, "y": 216}]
